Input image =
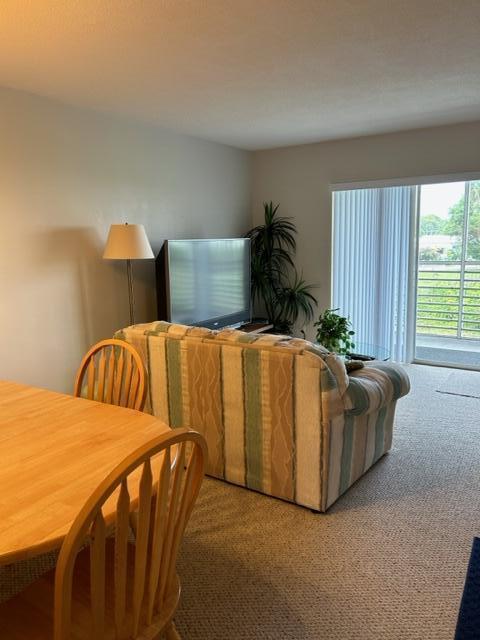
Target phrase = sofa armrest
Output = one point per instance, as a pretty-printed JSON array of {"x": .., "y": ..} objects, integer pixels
[
  {"x": 335, "y": 364},
  {"x": 374, "y": 386}
]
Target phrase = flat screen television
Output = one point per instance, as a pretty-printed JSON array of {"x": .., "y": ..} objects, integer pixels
[{"x": 204, "y": 282}]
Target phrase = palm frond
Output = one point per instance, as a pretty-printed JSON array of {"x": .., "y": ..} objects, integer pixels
[
  {"x": 275, "y": 282},
  {"x": 298, "y": 301}
]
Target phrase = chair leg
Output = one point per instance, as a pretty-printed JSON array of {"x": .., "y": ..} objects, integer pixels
[{"x": 171, "y": 632}]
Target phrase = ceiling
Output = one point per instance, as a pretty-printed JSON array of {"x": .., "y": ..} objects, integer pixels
[{"x": 251, "y": 73}]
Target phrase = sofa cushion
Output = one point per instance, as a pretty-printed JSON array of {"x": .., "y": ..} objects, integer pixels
[{"x": 374, "y": 386}]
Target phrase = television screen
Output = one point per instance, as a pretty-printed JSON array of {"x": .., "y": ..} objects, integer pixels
[{"x": 208, "y": 281}]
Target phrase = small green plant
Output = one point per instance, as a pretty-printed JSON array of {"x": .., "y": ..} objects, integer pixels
[{"x": 334, "y": 332}]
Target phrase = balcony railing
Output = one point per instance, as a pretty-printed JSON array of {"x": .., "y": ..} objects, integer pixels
[{"x": 448, "y": 299}]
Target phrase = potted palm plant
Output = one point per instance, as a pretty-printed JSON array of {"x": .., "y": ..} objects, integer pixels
[{"x": 276, "y": 285}]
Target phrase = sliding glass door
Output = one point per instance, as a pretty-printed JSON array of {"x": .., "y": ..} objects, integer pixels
[
  {"x": 448, "y": 282},
  {"x": 406, "y": 270}
]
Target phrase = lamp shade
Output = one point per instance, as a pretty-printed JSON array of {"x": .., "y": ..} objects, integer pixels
[{"x": 127, "y": 242}]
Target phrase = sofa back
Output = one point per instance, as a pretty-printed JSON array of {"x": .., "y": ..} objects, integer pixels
[{"x": 247, "y": 394}]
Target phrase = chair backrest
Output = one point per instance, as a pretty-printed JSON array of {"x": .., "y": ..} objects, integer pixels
[
  {"x": 113, "y": 372},
  {"x": 167, "y": 489}
]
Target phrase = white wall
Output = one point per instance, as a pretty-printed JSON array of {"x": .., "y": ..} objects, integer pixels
[
  {"x": 299, "y": 178},
  {"x": 65, "y": 176}
]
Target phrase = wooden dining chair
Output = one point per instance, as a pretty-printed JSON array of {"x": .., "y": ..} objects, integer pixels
[
  {"x": 113, "y": 372},
  {"x": 104, "y": 587}
]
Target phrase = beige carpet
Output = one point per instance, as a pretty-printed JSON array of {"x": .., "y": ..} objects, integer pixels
[
  {"x": 461, "y": 383},
  {"x": 387, "y": 562}
]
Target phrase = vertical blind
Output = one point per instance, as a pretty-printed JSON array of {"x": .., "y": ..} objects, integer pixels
[{"x": 371, "y": 264}]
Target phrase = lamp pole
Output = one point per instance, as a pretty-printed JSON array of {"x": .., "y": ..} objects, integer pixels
[{"x": 131, "y": 297}]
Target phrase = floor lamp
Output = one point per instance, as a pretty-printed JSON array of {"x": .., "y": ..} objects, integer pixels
[{"x": 128, "y": 242}]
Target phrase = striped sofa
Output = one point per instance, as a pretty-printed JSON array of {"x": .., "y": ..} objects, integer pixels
[{"x": 280, "y": 415}]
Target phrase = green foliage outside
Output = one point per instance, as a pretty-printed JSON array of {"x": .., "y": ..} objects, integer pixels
[
  {"x": 438, "y": 302},
  {"x": 439, "y": 299},
  {"x": 431, "y": 225},
  {"x": 453, "y": 226}
]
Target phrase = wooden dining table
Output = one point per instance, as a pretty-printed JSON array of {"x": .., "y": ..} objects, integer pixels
[{"x": 54, "y": 451}]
